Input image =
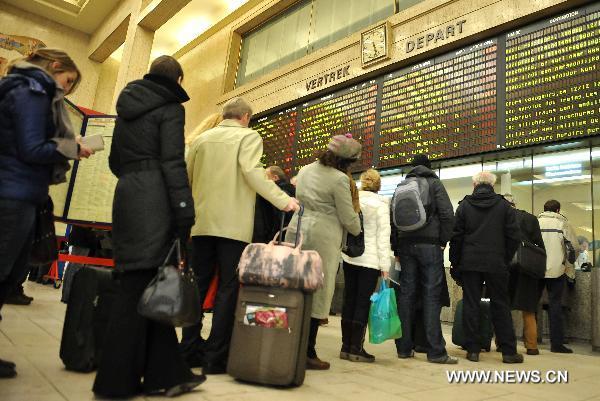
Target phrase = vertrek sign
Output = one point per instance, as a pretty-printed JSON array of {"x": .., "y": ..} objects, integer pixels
[{"x": 327, "y": 78}]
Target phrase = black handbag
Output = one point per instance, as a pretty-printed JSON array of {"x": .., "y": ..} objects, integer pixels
[
  {"x": 44, "y": 249},
  {"x": 355, "y": 244},
  {"x": 172, "y": 297},
  {"x": 530, "y": 259}
]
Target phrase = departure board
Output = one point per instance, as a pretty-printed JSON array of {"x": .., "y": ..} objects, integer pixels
[
  {"x": 278, "y": 132},
  {"x": 443, "y": 107},
  {"x": 349, "y": 111},
  {"x": 553, "y": 79},
  {"x": 533, "y": 85}
]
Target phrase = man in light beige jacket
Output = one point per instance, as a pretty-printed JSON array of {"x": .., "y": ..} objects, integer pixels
[{"x": 225, "y": 174}]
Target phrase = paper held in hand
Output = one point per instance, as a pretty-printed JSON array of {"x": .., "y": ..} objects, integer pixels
[{"x": 94, "y": 142}]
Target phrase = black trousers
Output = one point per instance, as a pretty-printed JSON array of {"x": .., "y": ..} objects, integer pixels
[
  {"x": 137, "y": 348},
  {"x": 555, "y": 288},
  {"x": 17, "y": 219},
  {"x": 210, "y": 253},
  {"x": 497, "y": 290},
  {"x": 359, "y": 284}
]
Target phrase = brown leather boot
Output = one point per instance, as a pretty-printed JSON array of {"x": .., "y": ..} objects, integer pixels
[{"x": 316, "y": 364}]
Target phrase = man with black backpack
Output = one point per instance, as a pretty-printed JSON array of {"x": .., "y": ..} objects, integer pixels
[{"x": 422, "y": 220}]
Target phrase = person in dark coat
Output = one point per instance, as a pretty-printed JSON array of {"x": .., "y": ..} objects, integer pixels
[
  {"x": 421, "y": 255},
  {"x": 152, "y": 207},
  {"x": 523, "y": 288},
  {"x": 37, "y": 141},
  {"x": 267, "y": 218},
  {"x": 485, "y": 238}
]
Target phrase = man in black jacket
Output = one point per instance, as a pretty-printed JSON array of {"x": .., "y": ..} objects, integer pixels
[
  {"x": 485, "y": 238},
  {"x": 267, "y": 218},
  {"x": 421, "y": 257}
]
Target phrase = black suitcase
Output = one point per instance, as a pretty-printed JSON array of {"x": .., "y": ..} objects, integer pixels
[
  {"x": 486, "y": 331},
  {"x": 268, "y": 355},
  {"x": 86, "y": 319}
]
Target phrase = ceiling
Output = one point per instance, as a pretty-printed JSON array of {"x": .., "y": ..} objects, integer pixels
[
  {"x": 87, "y": 15},
  {"x": 83, "y": 15}
]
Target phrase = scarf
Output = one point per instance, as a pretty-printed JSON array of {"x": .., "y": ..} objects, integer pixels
[{"x": 63, "y": 134}]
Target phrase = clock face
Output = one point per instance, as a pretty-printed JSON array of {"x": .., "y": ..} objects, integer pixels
[{"x": 374, "y": 44}]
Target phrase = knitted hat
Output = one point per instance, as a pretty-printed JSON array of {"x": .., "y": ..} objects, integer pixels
[
  {"x": 345, "y": 146},
  {"x": 421, "y": 160}
]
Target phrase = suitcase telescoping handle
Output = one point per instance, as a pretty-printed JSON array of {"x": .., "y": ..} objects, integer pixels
[{"x": 281, "y": 229}]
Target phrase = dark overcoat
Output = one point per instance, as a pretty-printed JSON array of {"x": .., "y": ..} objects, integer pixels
[{"x": 152, "y": 199}]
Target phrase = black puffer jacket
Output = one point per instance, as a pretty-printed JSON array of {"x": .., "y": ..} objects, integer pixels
[
  {"x": 438, "y": 229},
  {"x": 486, "y": 233},
  {"x": 153, "y": 198}
]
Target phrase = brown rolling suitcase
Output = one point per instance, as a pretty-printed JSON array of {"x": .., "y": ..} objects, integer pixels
[{"x": 270, "y": 335}]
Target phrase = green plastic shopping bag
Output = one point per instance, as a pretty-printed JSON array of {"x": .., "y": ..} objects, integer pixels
[{"x": 384, "y": 323}]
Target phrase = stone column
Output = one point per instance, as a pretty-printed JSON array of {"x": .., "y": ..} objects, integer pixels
[
  {"x": 136, "y": 54},
  {"x": 596, "y": 309}
]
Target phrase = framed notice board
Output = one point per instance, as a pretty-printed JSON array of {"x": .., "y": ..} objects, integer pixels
[
  {"x": 536, "y": 84},
  {"x": 87, "y": 196}
]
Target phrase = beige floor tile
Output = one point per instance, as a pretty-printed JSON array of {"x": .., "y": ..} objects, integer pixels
[{"x": 30, "y": 336}]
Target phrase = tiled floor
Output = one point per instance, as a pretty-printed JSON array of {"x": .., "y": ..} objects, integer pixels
[{"x": 30, "y": 336}]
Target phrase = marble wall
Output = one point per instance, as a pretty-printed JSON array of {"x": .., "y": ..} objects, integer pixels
[{"x": 14, "y": 21}]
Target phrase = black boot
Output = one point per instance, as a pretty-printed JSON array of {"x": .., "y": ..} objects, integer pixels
[
  {"x": 312, "y": 360},
  {"x": 346, "y": 338},
  {"x": 357, "y": 352}
]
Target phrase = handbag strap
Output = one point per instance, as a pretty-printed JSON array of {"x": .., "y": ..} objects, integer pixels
[
  {"x": 176, "y": 246},
  {"x": 279, "y": 235}
]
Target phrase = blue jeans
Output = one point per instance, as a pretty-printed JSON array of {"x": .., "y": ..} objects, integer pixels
[
  {"x": 555, "y": 287},
  {"x": 422, "y": 272},
  {"x": 17, "y": 219}
]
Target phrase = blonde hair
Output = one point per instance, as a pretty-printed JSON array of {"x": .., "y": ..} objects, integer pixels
[
  {"x": 45, "y": 57},
  {"x": 484, "y": 177},
  {"x": 209, "y": 122},
  {"x": 370, "y": 180}
]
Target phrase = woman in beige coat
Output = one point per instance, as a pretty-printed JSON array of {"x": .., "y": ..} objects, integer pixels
[{"x": 324, "y": 189}]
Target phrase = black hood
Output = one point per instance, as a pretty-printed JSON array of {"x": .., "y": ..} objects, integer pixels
[
  {"x": 36, "y": 79},
  {"x": 286, "y": 187},
  {"x": 484, "y": 197},
  {"x": 421, "y": 171},
  {"x": 144, "y": 95}
]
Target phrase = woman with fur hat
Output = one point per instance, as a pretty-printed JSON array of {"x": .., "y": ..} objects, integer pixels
[{"x": 324, "y": 188}]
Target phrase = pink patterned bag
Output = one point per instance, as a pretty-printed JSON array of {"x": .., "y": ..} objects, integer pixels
[{"x": 282, "y": 264}]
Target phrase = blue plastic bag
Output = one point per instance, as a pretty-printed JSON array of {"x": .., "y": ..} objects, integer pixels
[{"x": 384, "y": 323}]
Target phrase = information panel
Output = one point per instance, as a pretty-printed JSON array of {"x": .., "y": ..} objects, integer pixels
[
  {"x": 444, "y": 107},
  {"x": 537, "y": 84},
  {"x": 349, "y": 111},
  {"x": 94, "y": 186},
  {"x": 278, "y": 132},
  {"x": 553, "y": 79}
]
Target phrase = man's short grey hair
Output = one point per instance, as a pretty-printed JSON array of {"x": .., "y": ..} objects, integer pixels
[
  {"x": 236, "y": 108},
  {"x": 484, "y": 177}
]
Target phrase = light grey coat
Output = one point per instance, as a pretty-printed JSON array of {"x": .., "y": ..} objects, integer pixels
[{"x": 328, "y": 212}]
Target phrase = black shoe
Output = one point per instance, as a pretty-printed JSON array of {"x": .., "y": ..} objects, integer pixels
[
  {"x": 7, "y": 372},
  {"x": 7, "y": 363},
  {"x": 18, "y": 299},
  {"x": 533, "y": 351},
  {"x": 186, "y": 387},
  {"x": 473, "y": 356},
  {"x": 402, "y": 355},
  {"x": 421, "y": 349},
  {"x": 516, "y": 358},
  {"x": 28, "y": 297},
  {"x": 195, "y": 360},
  {"x": 444, "y": 360},
  {"x": 360, "y": 356},
  {"x": 561, "y": 349},
  {"x": 216, "y": 369}
]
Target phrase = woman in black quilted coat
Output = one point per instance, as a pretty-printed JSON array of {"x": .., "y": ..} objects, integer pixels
[{"x": 152, "y": 206}]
